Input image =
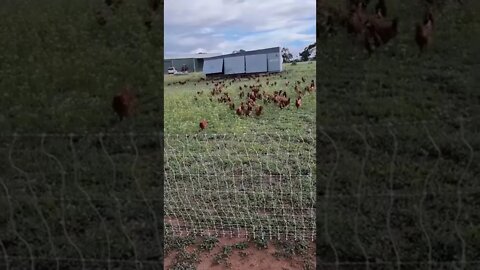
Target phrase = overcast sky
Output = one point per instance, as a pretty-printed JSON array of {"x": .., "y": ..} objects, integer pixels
[{"x": 222, "y": 26}]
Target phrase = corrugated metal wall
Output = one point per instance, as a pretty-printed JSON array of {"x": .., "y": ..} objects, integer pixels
[
  {"x": 274, "y": 62},
  {"x": 234, "y": 65},
  {"x": 198, "y": 65},
  {"x": 211, "y": 66},
  {"x": 256, "y": 63},
  {"x": 266, "y": 60}
]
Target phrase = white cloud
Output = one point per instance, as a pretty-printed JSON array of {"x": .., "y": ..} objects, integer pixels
[
  {"x": 206, "y": 30},
  {"x": 270, "y": 39},
  {"x": 199, "y": 50},
  {"x": 227, "y": 25}
]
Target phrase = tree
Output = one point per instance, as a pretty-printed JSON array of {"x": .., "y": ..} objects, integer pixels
[
  {"x": 286, "y": 55},
  {"x": 305, "y": 55}
]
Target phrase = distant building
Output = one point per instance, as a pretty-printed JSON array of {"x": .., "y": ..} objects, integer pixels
[
  {"x": 247, "y": 62},
  {"x": 194, "y": 62}
]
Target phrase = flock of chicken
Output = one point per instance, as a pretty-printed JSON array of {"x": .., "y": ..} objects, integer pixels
[
  {"x": 113, "y": 5},
  {"x": 375, "y": 29},
  {"x": 125, "y": 102},
  {"x": 250, "y": 95}
]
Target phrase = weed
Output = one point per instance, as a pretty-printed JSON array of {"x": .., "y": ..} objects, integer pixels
[
  {"x": 242, "y": 245},
  {"x": 223, "y": 255},
  {"x": 209, "y": 243},
  {"x": 261, "y": 243},
  {"x": 185, "y": 261}
]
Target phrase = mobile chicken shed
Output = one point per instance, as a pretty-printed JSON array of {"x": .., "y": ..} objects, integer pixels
[{"x": 245, "y": 62}]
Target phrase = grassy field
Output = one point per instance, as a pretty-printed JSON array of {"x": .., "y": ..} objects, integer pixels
[
  {"x": 183, "y": 113},
  {"x": 81, "y": 202},
  {"x": 241, "y": 175},
  {"x": 395, "y": 192}
]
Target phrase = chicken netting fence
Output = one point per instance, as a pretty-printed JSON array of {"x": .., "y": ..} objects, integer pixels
[
  {"x": 94, "y": 200},
  {"x": 399, "y": 195},
  {"x": 242, "y": 185},
  {"x": 89, "y": 201},
  {"x": 386, "y": 197}
]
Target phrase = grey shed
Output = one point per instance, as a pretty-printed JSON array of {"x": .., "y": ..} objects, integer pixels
[{"x": 248, "y": 62}]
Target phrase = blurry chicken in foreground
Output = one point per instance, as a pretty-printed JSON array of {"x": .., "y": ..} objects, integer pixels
[
  {"x": 203, "y": 124},
  {"x": 124, "y": 103},
  {"x": 423, "y": 32}
]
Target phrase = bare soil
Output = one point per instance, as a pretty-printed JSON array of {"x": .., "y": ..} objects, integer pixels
[{"x": 253, "y": 257}]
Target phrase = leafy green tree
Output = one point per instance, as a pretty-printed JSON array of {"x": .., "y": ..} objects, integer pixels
[{"x": 286, "y": 55}]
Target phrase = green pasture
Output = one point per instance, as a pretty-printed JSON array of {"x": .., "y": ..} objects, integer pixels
[{"x": 183, "y": 113}]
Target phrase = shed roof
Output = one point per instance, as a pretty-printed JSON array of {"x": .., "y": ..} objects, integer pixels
[
  {"x": 266, "y": 50},
  {"x": 194, "y": 56}
]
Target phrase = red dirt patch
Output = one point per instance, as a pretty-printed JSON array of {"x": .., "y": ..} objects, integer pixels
[{"x": 249, "y": 258}]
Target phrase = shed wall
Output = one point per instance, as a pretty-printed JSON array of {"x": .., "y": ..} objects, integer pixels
[
  {"x": 198, "y": 65},
  {"x": 211, "y": 66},
  {"x": 234, "y": 65},
  {"x": 274, "y": 62},
  {"x": 256, "y": 63},
  {"x": 177, "y": 63}
]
